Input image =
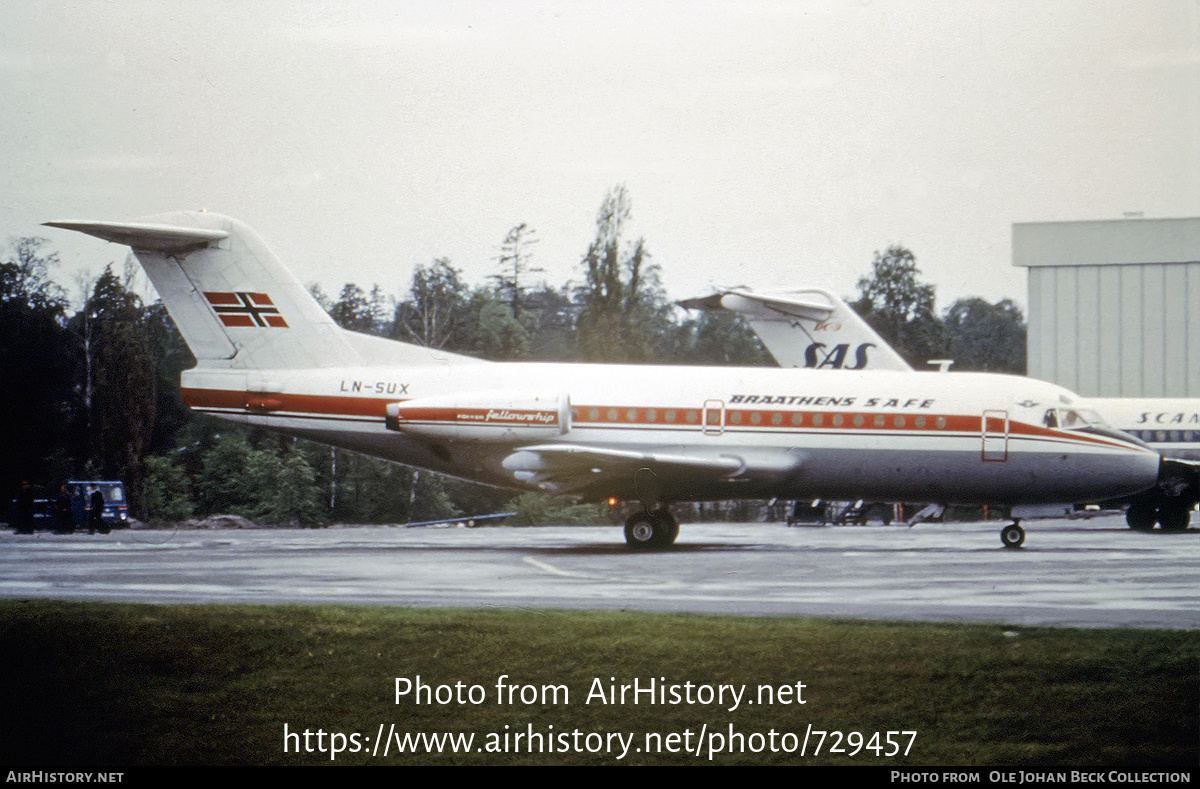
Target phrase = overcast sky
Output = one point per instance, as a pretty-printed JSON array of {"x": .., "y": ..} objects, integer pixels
[{"x": 761, "y": 143}]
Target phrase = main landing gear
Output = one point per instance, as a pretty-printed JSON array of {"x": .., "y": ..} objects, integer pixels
[
  {"x": 651, "y": 529},
  {"x": 1142, "y": 517},
  {"x": 1169, "y": 503},
  {"x": 1012, "y": 535}
]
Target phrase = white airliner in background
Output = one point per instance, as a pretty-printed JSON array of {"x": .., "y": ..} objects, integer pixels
[
  {"x": 268, "y": 355},
  {"x": 814, "y": 329}
]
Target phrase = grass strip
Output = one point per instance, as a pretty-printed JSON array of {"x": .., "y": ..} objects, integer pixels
[{"x": 125, "y": 684}]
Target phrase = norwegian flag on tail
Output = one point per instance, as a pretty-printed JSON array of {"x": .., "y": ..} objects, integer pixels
[{"x": 246, "y": 309}]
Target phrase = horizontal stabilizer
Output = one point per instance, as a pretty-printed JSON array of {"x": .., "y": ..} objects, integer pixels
[
  {"x": 768, "y": 306},
  {"x": 161, "y": 238},
  {"x": 234, "y": 302}
]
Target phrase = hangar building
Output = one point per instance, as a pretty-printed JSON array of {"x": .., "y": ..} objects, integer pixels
[{"x": 1114, "y": 306}]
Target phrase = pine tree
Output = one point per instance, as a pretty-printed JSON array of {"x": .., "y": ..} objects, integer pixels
[
  {"x": 623, "y": 312},
  {"x": 121, "y": 385},
  {"x": 39, "y": 357}
]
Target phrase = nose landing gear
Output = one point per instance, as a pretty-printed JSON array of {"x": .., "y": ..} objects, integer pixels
[{"x": 1012, "y": 535}]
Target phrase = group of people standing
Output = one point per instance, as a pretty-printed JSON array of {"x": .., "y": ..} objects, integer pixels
[{"x": 72, "y": 509}]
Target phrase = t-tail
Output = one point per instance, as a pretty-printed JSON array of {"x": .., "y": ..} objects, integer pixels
[
  {"x": 810, "y": 328},
  {"x": 235, "y": 304}
]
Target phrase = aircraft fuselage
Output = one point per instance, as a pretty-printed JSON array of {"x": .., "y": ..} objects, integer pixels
[{"x": 969, "y": 438}]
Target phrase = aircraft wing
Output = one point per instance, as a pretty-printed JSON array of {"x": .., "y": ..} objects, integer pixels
[{"x": 571, "y": 468}]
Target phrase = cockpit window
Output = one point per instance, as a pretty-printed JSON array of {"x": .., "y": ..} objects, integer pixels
[{"x": 1072, "y": 418}]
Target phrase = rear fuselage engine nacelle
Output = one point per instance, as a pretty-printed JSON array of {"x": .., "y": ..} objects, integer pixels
[{"x": 490, "y": 417}]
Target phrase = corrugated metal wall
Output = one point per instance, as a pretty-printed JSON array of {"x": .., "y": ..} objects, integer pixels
[{"x": 1114, "y": 307}]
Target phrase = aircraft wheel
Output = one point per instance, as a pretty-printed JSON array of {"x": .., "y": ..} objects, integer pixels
[
  {"x": 670, "y": 528},
  {"x": 656, "y": 529},
  {"x": 640, "y": 531},
  {"x": 1173, "y": 518},
  {"x": 1012, "y": 535},
  {"x": 1141, "y": 517}
]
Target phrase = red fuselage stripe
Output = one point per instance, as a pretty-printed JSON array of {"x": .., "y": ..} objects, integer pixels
[
  {"x": 600, "y": 416},
  {"x": 322, "y": 405}
]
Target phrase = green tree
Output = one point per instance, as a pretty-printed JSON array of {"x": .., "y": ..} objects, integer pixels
[
  {"x": 25, "y": 276},
  {"x": 273, "y": 484},
  {"x": 900, "y": 307},
  {"x": 549, "y": 317},
  {"x": 166, "y": 494},
  {"x": 322, "y": 298},
  {"x": 546, "y": 509},
  {"x": 263, "y": 471},
  {"x": 436, "y": 313},
  {"x": 355, "y": 310},
  {"x": 121, "y": 385},
  {"x": 430, "y": 498},
  {"x": 986, "y": 337},
  {"x": 368, "y": 490},
  {"x": 223, "y": 485},
  {"x": 497, "y": 334},
  {"x": 39, "y": 360},
  {"x": 719, "y": 337},
  {"x": 515, "y": 254},
  {"x": 284, "y": 488},
  {"x": 623, "y": 313},
  {"x": 171, "y": 357},
  {"x": 297, "y": 496}
]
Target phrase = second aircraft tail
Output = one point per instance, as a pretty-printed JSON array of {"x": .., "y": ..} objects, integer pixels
[{"x": 808, "y": 327}]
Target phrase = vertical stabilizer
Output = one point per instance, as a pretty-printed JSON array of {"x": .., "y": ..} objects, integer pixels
[
  {"x": 809, "y": 327},
  {"x": 235, "y": 304}
]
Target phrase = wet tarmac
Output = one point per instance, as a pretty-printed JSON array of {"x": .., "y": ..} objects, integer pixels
[{"x": 1093, "y": 573}]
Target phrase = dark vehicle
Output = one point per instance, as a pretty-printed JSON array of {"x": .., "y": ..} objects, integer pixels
[
  {"x": 115, "y": 513},
  {"x": 31, "y": 515},
  {"x": 72, "y": 514}
]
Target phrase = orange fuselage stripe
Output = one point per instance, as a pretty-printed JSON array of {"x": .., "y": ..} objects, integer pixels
[{"x": 599, "y": 416}]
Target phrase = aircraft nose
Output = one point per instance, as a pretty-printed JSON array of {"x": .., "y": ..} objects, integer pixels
[
  {"x": 1144, "y": 469},
  {"x": 1129, "y": 472}
]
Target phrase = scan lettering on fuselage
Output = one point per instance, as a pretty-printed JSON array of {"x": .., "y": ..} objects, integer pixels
[{"x": 1169, "y": 418}]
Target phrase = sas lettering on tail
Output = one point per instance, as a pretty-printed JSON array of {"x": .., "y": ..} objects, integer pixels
[{"x": 835, "y": 358}]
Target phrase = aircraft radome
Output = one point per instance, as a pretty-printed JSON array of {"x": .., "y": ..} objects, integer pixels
[
  {"x": 815, "y": 329},
  {"x": 268, "y": 355}
]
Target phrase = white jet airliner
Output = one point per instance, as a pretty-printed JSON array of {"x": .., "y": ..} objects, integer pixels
[
  {"x": 814, "y": 329},
  {"x": 268, "y": 355}
]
